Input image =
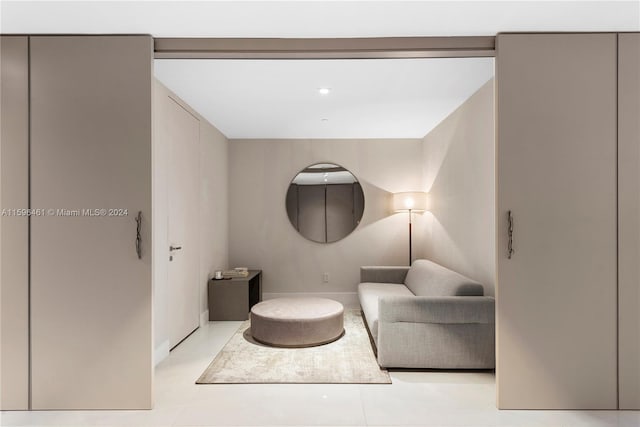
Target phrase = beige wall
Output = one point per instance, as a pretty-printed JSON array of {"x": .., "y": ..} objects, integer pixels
[
  {"x": 262, "y": 237},
  {"x": 459, "y": 168},
  {"x": 213, "y": 224}
]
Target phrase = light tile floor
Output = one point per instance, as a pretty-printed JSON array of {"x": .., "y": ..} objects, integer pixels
[{"x": 414, "y": 399}]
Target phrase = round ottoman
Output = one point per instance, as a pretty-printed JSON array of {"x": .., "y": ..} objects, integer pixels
[{"x": 297, "y": 322}]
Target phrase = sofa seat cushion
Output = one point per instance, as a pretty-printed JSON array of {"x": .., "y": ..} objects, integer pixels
[
  {"x": 428, "y": 279},
  {"x": 368, "y": 293}
]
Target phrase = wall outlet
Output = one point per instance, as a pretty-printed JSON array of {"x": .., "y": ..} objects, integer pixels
[{"x": 325, "y": 277}]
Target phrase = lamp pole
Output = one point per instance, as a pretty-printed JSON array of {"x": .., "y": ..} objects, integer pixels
[
  {"x": 410, "y": 201},
  {"x": 409, "y": 237}
]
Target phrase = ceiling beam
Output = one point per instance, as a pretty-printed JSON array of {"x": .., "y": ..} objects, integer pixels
[{"x": 324, "y": 48}]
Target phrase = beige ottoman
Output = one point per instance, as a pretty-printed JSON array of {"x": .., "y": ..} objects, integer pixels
[{"x": 297, "y": 322}]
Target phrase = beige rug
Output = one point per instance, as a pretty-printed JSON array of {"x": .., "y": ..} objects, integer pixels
[{"x": 349, "y": 360}]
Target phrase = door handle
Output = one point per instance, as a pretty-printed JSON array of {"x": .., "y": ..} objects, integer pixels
[
  {"x": 510, "y": 234},
  {"x": 174, "y": 248},
  {"x": 139, "y": 234}
]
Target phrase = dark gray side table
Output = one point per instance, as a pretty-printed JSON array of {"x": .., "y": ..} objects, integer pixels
[{"x": 232, "y": 299}]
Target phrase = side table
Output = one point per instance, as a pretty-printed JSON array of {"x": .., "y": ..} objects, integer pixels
[{"x": 232, "y": 299}]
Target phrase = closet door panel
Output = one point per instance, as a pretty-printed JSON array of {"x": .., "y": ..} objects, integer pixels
[
  {"x": 556, "y": 172},
  {"x": 292, "y": 204},
  {"x": 311, "y": 212},
  {"x": 91, "y": 332},
  {"x": 629, "y": 219},
  {"x": 14, "y": 232},
  {"x": 339, "y": 211}
]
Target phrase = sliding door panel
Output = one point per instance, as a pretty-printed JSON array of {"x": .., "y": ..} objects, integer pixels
[
  {"x": 629, "y": 219},
  {"x": 14, "y": 232},
  {"x": 556, "y": 173},
  {"x": 91, "y": 171}
]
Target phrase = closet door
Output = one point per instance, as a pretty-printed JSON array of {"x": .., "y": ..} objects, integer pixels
[
  {"x": 14, "y": 228},
  {"x": 91, "y": 333},
  {"x": 556, "y": 173},
  {"x": 311, "y": 212},
  {"x": 339, "y": 211},
  {"x": 629, "y": 219}
]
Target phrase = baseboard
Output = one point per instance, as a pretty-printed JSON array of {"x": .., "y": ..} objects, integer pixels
[
  {"x": 348, "y": 299},
  {"x": 161, "y": 352},
  {"x": 204, "y": 317}
]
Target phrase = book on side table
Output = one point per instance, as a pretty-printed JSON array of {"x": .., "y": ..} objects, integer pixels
[{"x": 236, "y": 272}]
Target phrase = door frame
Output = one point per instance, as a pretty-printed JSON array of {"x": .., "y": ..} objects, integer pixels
[
  {"x": 325, "y": 48},
  {"x": 186, "y": 48}
]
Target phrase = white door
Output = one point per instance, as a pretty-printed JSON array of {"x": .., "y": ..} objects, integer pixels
[
  {"x": 90, "y": 170},
  {"x": 556, "y": 173},
  {"x": 183, "y": 137}
]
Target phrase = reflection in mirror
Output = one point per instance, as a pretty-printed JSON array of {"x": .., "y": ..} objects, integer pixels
[{"x": 325, "y": 202}]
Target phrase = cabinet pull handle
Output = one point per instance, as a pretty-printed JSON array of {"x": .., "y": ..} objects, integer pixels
[
  {"x": 138, "y": 234},
  {"x": 510, "y": 233}
]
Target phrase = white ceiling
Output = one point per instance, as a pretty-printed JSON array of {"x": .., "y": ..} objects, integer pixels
[
  {"x": 398, "y": 98},
  {"x": 316, "y": 18},
  {"x": 277, "y": 99}
]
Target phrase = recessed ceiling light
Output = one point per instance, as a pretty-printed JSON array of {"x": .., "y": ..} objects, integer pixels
[
  {"x": 324, "y": 120},
  {"x": 324, "y": 90}
]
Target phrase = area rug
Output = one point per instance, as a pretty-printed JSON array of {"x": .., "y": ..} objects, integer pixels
[{"x": 349, "y": 360}]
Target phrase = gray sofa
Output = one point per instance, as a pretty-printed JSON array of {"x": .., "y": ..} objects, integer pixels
[{"x": 427, "y": 316}]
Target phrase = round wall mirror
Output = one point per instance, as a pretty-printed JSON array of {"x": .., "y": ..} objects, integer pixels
[{"x": 325, "y": 202}]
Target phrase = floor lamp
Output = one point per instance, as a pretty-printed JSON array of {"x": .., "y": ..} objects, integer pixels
[{"x": 412, "y": 201}]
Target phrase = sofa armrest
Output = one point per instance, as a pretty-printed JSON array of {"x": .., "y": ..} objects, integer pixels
[
  {"x": 383, "y": 274},
  {"x": 447, "y": 310}
]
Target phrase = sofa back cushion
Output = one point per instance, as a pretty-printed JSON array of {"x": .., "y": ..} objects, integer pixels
[{"x": 428, "y": 279}]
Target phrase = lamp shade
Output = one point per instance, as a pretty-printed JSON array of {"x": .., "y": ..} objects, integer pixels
[{"x": 412, "y": 200}]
